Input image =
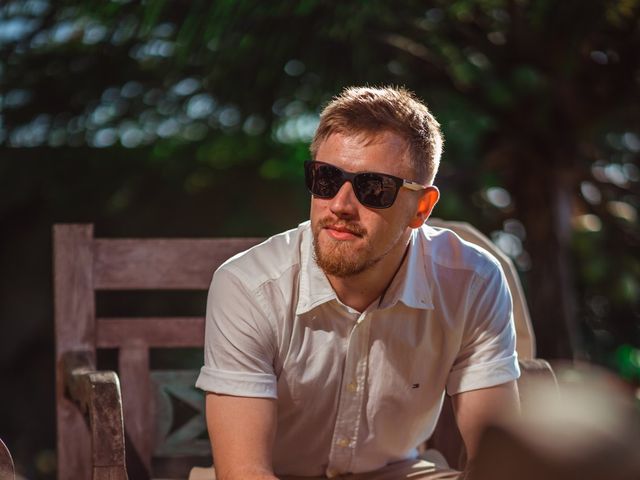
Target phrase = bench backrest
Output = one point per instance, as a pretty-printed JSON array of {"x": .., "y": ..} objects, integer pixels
[
  {"x": 157, "y": 444},
  {"x": 84, "y": 265}
]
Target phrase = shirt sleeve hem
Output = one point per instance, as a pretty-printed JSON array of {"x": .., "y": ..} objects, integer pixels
[
  {"x": 483, "y": 375},
  {"x": 241, "y": 384}
]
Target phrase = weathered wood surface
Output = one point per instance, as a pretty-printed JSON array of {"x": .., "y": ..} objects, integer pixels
[
  {"x": 177, "y": 264},
  {"x": 97, "y": 394},
  {"x": 108, "y": 473},
  {"x": 137, "y": 399},
  {"x": 74, "y": 330},
  {"x": 7, "y": 469},
  {"x": 167, "y": 332},
  {"x": 83, "y": 265}
]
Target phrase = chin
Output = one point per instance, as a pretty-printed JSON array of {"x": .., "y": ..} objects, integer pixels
[{"x": 340, "y": 260}]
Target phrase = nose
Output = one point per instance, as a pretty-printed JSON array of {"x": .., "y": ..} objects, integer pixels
[{"x": 344, "y": 203}]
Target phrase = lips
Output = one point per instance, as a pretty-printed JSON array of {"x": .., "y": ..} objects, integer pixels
[
  {"x": 336, "y": 235},
  {"x": 343, "y": 231},
  {"x": 338, "y": 229}
]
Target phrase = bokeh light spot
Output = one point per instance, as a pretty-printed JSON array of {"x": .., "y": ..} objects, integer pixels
[
  {"x": 105, "y": 137},
  {"x": 590, "y": 193},
  {"x": 254, "y": 125},
  {"x": 623, "y": 210},
  {"x": 200, "y": 106},
  {"x": 229, "y": 116},
  {"x": 186, "y": 87},
  {"x": 599, "y": 57},
  {"x": 508, "y": 243},
  {"x": 631, "y": 141},
  {"x": 587, "y": 223},
  {"x": 294, "y": 68},
  {"x": 498, "y": 197}
]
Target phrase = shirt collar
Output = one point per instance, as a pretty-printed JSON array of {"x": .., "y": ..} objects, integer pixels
[
  {"x": 314, "y": 287},
  {"x": 410, "y": 285}
]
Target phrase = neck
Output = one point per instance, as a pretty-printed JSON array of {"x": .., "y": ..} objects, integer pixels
[{"x": 359, "y": 291}]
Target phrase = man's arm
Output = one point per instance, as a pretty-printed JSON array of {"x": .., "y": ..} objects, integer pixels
[
  {"x": 475, "y": 409},
  {"x": 242, "y": 431}
]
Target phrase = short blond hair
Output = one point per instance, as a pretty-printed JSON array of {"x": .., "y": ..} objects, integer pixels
[{"x": 370, "y": 111}]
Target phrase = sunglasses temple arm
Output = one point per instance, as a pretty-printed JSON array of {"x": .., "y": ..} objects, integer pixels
[{"x": 412, "y": 185}]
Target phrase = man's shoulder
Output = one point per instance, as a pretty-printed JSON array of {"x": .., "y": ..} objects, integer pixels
[
  {"x": 269, "y": 260},
  {"x": 446, "y": 249}
]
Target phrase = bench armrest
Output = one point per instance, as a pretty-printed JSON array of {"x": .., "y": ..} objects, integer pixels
[{"x": 97, "y": 394}]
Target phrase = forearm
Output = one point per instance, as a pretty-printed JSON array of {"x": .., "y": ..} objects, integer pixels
[
  {"x": 242, "y": 430},
  {"x": 477, "y": 409},
  {"x": 246, "y": 473}
]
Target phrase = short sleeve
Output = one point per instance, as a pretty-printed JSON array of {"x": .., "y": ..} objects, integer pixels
[
  {"x": 239, "y": 341},
  {"x": 487, "y": 355}
]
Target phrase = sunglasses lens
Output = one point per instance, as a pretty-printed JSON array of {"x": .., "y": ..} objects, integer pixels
[
  {"x": 323, "y": 180},
  {"x": 375, "y": 190}
]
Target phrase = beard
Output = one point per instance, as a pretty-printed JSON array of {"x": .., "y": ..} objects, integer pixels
[{"x": 340, "y": 258}]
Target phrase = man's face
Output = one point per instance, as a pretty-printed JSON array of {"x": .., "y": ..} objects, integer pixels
[{"x": 349, "y": 238}]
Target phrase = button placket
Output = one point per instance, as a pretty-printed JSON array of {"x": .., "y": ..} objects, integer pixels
[{"x": 350, "y": 403}]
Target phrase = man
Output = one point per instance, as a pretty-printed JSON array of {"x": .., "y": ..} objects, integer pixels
[{"x": 329, "y": 347}]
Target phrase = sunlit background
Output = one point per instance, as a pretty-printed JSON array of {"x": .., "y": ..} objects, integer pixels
[{"x": 193, "y": 118}]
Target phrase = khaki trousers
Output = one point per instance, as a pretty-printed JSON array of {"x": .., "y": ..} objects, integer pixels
[{"x": 407, "y": 469}]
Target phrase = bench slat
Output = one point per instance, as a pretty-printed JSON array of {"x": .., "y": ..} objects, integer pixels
[
  {"x": 74, "y": 309},
  {"x": 137, "y": 400},
  {"x": 165, "y": 332},
  {"x": 162, "y": 264}
]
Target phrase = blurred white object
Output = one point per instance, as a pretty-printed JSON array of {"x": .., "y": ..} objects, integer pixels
[{"x": 586, "y": 427}]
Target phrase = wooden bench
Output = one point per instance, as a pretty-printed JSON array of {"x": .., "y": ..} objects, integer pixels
[{"x": 110, "y": 423}]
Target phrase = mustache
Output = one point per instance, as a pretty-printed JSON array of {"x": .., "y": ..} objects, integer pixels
[{"x": 350, "y": 227}]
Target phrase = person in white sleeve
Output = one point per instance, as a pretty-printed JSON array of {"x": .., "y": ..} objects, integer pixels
[{"x": 329, "y": 348}]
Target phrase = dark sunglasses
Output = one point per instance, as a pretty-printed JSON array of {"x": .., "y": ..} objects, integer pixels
[{"x": 375, "y": 190}]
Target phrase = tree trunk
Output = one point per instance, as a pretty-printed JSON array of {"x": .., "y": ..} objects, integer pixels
[{"x": 543, "y": 199}]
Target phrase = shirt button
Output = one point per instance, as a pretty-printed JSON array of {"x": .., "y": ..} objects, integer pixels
[
  {"x": 343, "y": 442},
  {"x": 352, "y": 387}
]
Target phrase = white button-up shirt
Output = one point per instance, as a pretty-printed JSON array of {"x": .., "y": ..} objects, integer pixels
[{"x": 356, "y": 390}]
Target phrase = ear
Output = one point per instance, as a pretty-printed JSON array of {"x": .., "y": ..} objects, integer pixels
[{"x": 427, "y": 201}]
